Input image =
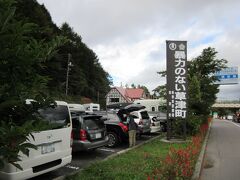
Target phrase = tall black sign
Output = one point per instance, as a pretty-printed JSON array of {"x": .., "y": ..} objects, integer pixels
[{"x": 176, "y": 80}]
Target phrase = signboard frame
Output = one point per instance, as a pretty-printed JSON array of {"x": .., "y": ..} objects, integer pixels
[{"x": 176, "y": 84}]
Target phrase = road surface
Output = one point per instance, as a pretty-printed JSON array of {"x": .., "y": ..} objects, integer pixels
[{"x": 222, "y": 157}]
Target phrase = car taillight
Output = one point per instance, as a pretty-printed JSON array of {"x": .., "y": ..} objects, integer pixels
[
  {"x": 83, "y": 135},
  {"x": 140, "y": 122},
  {"x": 71, "y": 142},
  {"x": 123, "y": 126}
]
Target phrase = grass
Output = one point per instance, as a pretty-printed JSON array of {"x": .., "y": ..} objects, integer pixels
[{"x": 135, "y": 164}]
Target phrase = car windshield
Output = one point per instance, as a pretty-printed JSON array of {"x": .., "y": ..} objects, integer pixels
[
  {"x": 57, "y": 117},
  {"x": 93, "y": 123}
]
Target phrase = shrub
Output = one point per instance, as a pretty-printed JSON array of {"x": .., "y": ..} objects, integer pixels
[{"x": 180, "y": 163}]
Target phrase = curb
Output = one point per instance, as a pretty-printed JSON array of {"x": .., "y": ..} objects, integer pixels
[
  {"x": 109, "y": 157},
  {"x": 199, "y": 163}
]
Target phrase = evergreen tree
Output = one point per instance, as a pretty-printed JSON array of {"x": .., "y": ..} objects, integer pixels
[
  {"x": 22, "y": 57},
  {"x": 202, "y": 86},
  {"x": 87, "y": 78}
]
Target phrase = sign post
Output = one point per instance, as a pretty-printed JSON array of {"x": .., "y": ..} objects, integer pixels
[{"x": 176, "y": 84}]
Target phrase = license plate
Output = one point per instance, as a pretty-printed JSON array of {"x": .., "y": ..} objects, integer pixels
[
  {"x": 98, "y": 135},
  {"x": 48, "y": 148}
]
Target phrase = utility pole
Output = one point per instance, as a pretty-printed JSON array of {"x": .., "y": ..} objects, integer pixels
[{"x": 69, "y": 64}]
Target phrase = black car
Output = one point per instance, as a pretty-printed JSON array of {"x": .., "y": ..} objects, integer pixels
[
  {"x": 89, "y": 132},
  {"x": 116, "y": 124}
]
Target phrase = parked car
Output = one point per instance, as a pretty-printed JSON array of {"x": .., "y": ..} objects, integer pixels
[
  {"x": 162, "y": 118},
  {"x": 89, "y": 132},
  {"x": 53, "y": 144},
  {"x": 142, "y": 118},
  {"x": 116, "y": 123},
  {"x": 155, "y": 124},
  {"x": 76, "y": 108}
]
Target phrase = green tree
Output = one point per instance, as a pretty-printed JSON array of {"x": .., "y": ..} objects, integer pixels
[
  {"x": 202, "y": 86},
  {"x": 87, "y": 78},
  {"x": 202, "y": 89},
  {"x": 22, "y": 57},
  {"x": 133, "y": 86},
  {"x": 161, "y": 91}
]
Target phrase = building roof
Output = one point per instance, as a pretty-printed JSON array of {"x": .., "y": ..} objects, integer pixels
[
  {"x": 121, "y": 90},
  {"x": 130, "y": 93},
  {"x": 134, "y": 93}
]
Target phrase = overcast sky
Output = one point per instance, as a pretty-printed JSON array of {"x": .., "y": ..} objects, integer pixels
[{"x": 129, "y": 36}]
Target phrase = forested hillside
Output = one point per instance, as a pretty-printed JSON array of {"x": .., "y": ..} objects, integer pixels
[{"x": 87, "y": 78}]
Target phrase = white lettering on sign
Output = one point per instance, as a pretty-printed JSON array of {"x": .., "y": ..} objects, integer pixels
[
  {"x": 177, "y": 79},
  {"x": 180, "y": 55}
]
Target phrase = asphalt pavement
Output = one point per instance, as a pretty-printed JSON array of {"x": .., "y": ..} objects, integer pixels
[{"x": 222, "y": 156}]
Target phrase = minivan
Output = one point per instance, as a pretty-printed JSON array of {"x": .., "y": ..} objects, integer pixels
[{"x": 53, "y": 145}]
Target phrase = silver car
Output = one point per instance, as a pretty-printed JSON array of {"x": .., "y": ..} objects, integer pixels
[{"x": 142, "y": 118}]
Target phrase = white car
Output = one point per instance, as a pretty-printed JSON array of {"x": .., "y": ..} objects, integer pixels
[
  {"x": 155, "y": 124},
  {"x": 142, "y": 118},
  {"x": 53, "y": 145}
]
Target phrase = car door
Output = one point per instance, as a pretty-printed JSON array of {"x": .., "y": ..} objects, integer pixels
[{"x": 94, "y": 127}]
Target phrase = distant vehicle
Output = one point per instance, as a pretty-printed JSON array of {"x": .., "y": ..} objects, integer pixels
[
  {"x": 116, "y": 123},
  {"x": 91, "y": 107},
  {"x": 155, "y": 124},
  {"x": 152, "y": 105},
  {"x": 76, "y": 107},
  {"x": 236, "y": 117},
  {"x": 89, "y": 132},
  {"x": 54, "y": 145},
  {"x": 230, "y": 117}
]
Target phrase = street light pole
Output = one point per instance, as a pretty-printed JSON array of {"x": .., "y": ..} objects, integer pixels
[{"x": 69, "y": 64}]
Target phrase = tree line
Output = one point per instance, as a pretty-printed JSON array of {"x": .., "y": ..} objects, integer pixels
[
  {"x": 33, "y": 65},
  {"x": 87, "y": 78}
]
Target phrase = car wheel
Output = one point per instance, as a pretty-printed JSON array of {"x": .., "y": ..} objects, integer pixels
[{"x": 112, "y": 139}]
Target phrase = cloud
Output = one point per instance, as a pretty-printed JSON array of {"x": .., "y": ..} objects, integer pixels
[{"x": 129, "y": 36}]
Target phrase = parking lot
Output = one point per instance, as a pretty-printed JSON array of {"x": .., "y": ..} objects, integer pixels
[{"x": 83, "y": 159}]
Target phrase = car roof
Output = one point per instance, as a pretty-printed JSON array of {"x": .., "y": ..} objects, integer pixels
[
  {"x": 117, "y": 105},
  {"x": 28, "y": 101}
]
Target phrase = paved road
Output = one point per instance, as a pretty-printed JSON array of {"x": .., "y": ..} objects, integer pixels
[
  {"x": 83, "y": 159},
  {"x": 222, "y": 159}
]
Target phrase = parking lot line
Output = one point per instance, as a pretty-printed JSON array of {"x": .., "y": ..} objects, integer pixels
[{"x": 105, "y": 149}]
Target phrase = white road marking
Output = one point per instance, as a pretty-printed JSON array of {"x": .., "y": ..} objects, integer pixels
[
  {"x": 232, "y": 123},
  {"x": 105, "y": 149},
  {"x": 72, "y": 167}
]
